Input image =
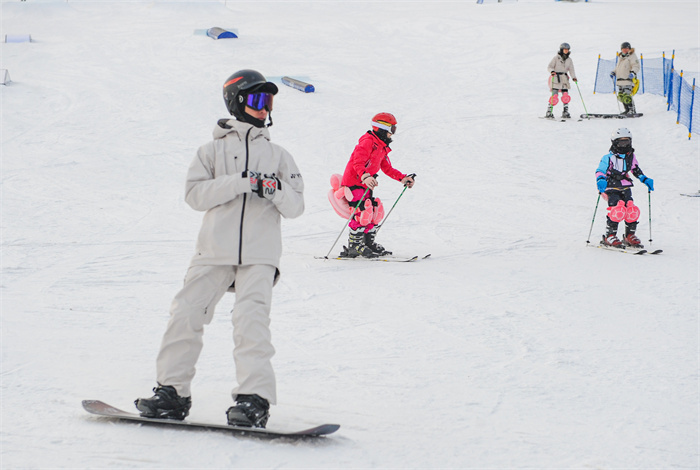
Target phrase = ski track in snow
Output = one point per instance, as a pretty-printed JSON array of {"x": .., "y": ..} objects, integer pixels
[{"x": 513, "y": 346}]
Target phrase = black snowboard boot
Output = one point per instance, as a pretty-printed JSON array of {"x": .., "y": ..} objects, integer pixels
[
  {"x": 370, "y": 237},
  {"x": 165, "y": 404},
  {"x": 357, "y": 246},
  {"x": 565, "y": 113},
  {"x": 249, "y": 411}
]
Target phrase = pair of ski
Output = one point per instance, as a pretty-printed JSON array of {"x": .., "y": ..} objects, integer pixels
[
  {"x": 99, "y": 408},
  {"x": 595, "y": 116},
  {"x": 384, "y": 258},
  {"x": 628, "y": 250},
  {"x": 561, "y": 119}
]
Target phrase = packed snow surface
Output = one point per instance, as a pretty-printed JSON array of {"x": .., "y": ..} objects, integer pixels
[{"x": 514, "y": 346}]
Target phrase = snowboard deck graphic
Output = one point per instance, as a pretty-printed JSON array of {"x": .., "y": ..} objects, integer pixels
[{"x": 99, "y": 408}]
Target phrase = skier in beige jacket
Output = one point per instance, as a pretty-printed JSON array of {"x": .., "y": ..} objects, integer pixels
[
  {"x": 626, "y": 72},
  {"x": 559, "y": 69},
  {"x": 243, "y": 183}
]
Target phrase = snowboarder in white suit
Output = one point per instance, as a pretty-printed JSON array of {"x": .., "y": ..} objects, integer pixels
[{"x": 244, "y": 183}]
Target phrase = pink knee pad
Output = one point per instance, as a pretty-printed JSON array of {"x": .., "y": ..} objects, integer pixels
[
  {"x": 554, "y": 99},
  {"x": 365, "y": 216},
  {"x": 632, "y": 213},
  {"x": 617, "y": 213},
  {"x": 565, "y": 98},
  {"x": 378, "y": 211}
]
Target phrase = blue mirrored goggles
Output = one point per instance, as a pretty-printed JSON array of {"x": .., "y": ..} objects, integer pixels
[{"x": 258, "y": 101}]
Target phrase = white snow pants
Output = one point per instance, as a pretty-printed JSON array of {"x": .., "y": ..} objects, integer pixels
[{"x": 193, "y": 307}]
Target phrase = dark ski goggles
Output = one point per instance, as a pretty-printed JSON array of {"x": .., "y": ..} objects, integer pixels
[
  {"x": 258, "y": 101},
  {"x": 623, "y": 142}
]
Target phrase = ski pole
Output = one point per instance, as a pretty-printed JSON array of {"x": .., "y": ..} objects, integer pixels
[
  {"x": 579, "y": 94},
  {"x": 412, "y": 175},
  {"x": 592, "y": 221},
  {"x": 348, "y": 221},
  {"x": 649, "y": 216}
]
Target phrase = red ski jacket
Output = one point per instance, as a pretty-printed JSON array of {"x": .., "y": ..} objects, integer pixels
[{"x": 370, "y": 155}]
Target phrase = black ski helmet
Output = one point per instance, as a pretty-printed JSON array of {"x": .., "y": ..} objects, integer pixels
[
  {"x": 626, "y": 45},
  {"x": 240, "y": 84},
  {"x": 564, "y": 45}
]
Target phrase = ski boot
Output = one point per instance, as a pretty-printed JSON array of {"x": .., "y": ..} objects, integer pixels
[
  {"x": 550, "y": 114},
  {"x": 357, "y": 247},
  {"x": 373, "y": 245},
  {"x": 249, "y": 411},
  {"x": 565, "y": 112},
  {"x": 165, "y": 404},
  {"x": 631, "y": 240},
  {"x": 628, "y": 103},
  {"x": 611, "y": 240}
]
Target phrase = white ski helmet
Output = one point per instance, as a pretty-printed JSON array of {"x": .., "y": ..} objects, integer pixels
[{"x": 621, "y": 133}]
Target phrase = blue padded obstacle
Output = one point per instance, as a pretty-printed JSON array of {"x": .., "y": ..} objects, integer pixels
[
  {"x": 298, "y": 84},
  {"x": 18, "y": 38},
  {"x": 220, "y": 33}
]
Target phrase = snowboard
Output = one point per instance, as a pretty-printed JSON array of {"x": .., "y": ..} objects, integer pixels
[
  {"x": 610, "y": 116},
  {"x": 99, "y": 408}
]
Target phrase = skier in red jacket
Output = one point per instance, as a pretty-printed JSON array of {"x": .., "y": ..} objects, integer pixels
[{"x": 370, "y": 155}]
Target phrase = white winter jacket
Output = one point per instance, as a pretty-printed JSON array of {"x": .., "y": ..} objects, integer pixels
[
  {"x": 239, "y": 227},
  {"x": 562, "y": 67},
  {"x": 625, "y": 65}
]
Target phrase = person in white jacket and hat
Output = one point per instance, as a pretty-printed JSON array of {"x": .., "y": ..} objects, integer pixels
[
  {"x": 243, "y": 183},
  {"x": 626, "y": 72}
]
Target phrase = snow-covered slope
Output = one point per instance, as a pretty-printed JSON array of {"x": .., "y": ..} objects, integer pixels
[{"x": 515, "y": 346}]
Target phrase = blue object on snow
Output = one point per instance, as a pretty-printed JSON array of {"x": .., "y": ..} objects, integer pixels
[
  {"x": 298, "y": 84},
  {"x": 18, "y": 38},
  {"x": 220, "y": 33}
]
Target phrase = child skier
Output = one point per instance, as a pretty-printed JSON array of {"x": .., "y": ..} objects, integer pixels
[
  {"x": 613, "y": 179},
  {"x": 559, "y": 67},
  {"x": 370, "y": 155},
  {"x": 626, "y": 72}
]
